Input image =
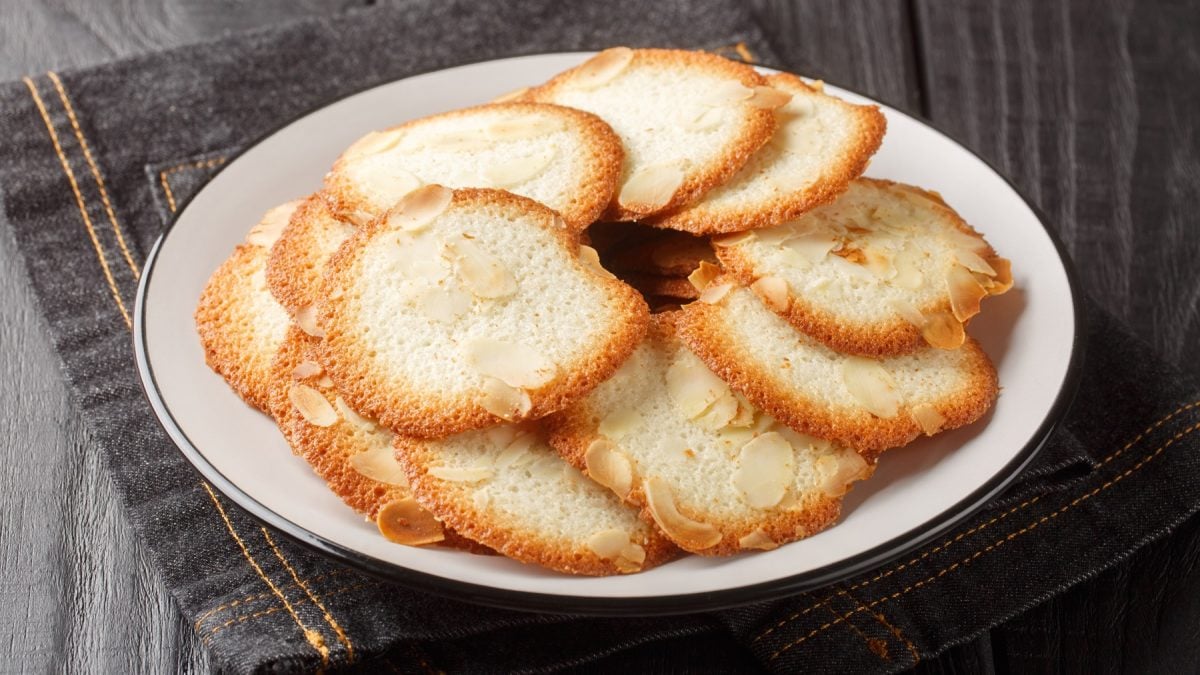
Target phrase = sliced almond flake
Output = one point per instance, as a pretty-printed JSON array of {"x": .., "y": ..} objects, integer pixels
[
  {"x": 769, "y": 98},
  {"x": 515, "y": 171},
  {"x": 818, "y": 284},
  {"x": 908, "y": 312},
  {"x": 801, "y": 441},
  {"x": 404, "y": 521},
  {"x": 306, "y": 369},
  {"x": 591, "y": 260},
  {"x": 481, "y": 272},
  {"x": 513, "y": 363},
  {"x": 851, "y": 269},
  {"x": 1002, "y": 280},
  {"x": 813, "y": 247},
  {"x": 325, "y": 381},
  {"x": 631, "y": 559},
  {"x": 523, "y": 127},
  {"x": 777, "y": 235},
  {"x": 515, "y": 452},
  {"x": 513, "y": 95},
  {"x": 463, "y": 140},
  {"x": 417, "y": 209},
  {"x": 547, "y": 466},
  {"x": 651, "y": 187},
  {"x": 692, "y": 386},
  {"x": 690, "y": 533},
  {"x": 745, "y": 413},
  {"x": 312, "y": 406},
  {"x": 461, "y": 474},
  {"x": 714, "y": 293},
  {"x": 804, "y": 140},
  {"x": 601, "y": 68},
  {"x": 608, "y": 544},
  {"x": 757, "y": 540},
  {"x": 703, "y": 275},
  {"x": 728, "y": 92},
  {"x": 871, "y": 385},
  {"x": 504, "y": 401},
  {"x": 839, "y": 470},
  {"x": 943, "y": 330},
  {"x": 443, "y": 304},
  {"x": 720, "y": 414},
  {"x": 382, "y": 179},
  {"x": 766, "y": 467},
  {"x": 972, "y": 261},
  {"x": 773, "y": 291},
  {"x": 608, "y": 466},
  {"x": 267, "y": 231},
  {"x": 373, "y": 143},
  {"x": 701, "y": 119},
  {"x": 928, "y": 418},
  {"x": 965, "y": 292},
  {"x": 306, "y": 319},
  {"x": 379, "y": 464},
  {"x": 350, "y": 415},
  {"x": 502, "y": 434},
  {"x": 908, "y": 272},
  {"x": 619, "y": 423},
  {"x": 735, "y": 239},
  {"x": 964, "y": 241}
]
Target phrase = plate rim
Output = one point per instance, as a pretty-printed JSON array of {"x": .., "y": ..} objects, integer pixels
[{"x": 529, "y": 601}]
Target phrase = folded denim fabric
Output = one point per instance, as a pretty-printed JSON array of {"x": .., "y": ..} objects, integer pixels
[{"x": 95, "y": 162}]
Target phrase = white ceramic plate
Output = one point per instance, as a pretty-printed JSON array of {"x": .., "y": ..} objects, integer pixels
[{"x": 918, "y": 492}]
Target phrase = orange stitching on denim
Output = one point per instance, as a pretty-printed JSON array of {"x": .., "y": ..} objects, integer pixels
[
  {"x": 87, "y": 154},
  {"x": 205, "y": 639},
  {"x": 883, "y": 575},
  {"x": 257, "y": 596},
  {"x": 858, "y": 631},
  {"x": 87, "y": 220},
  {"x": 164, "y": 175},
  {"x": 1000, "y": 542},
  {"x": 311, "y": 596},
  {"x": 912, "y": 649},
  {"x": 313, "y": 638}
]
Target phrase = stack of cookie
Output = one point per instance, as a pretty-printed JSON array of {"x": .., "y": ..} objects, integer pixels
[{"x": 456, "y": 332}]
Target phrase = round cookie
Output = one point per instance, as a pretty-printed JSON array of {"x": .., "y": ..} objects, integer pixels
[
  {"x": 297, "y": 260},
  {"x": 240, "y": 324},
  {"x": 716, "y": 475},
  {"x": 566, "y": 159},
  {"x": 869, "y": 405},
  {"x": 352, "y": 454},
  {"x": 688, "y": 120},
  {"x": 460, "y": 309},
  {"x": 820, "y": 144},
  {"x": 886, "y": 269},
  {"x": 506, "y": 488}
]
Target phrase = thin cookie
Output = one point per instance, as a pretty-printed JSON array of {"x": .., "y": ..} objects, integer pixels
[
  {"x": 869, "y": 405},
  {"x": 566, "y": 159},
  {"x": 715, "y": 474},
  {"x": 886, "y": 269},
  {"x": 688, "y": 120},
  {"x": 820, "y": 145},
  {"x": 459, "y": 309},
  {"x": 297, "y": 260},
  {"x": 240, "y": 324},
  {"x": 506, "y": 488},
  {"x": 352, "y": 454}
]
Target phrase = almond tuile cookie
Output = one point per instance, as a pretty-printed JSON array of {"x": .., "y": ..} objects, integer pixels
[
  {"x": 460, "y": 309},
  {"x": 241, "y": 326},
  {"x": 688, "y": 120},
  {"x": 564, "y": 158},
  {"x": 716, "y": 475},
  {"x": 296, "y": 264},
  {"x": 506, "y": 488},
  {"x": 867, "y": 404},
  {"x": 886, "y": 269},
  {"x": 820, "y": 144}
]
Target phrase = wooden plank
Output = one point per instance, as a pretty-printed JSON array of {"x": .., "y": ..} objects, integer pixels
[{"x": 1090, "y": 108}]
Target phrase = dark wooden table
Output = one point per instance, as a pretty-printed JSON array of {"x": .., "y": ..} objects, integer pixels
[{"x": 1092, "y": 107}]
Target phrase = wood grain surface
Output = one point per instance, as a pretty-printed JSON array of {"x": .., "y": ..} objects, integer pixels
[{"x": 1088, "y": 106}]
